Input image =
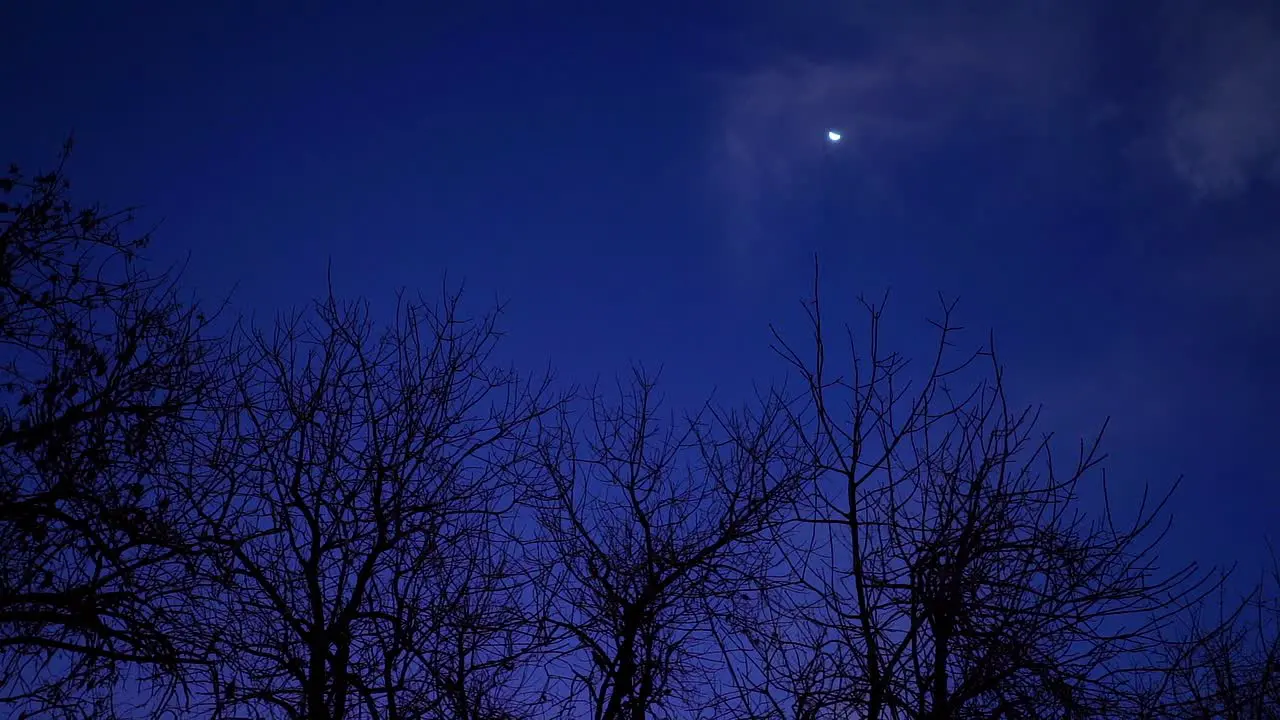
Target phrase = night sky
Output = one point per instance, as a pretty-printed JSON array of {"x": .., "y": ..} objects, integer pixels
[{"x": 1098, "y": 182}]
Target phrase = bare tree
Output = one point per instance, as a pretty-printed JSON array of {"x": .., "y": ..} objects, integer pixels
[
  {"x": 654, "y": 532},
  {"x": 354, "y": 492},
  {"x": 337, "y": 519},
  {"x": 943, "y": 565},
  {"x": 1222, "y": 661},
  {"x": 101, "y": 365}
]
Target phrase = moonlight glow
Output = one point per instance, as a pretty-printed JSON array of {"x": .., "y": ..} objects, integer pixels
[{"x": 833, "y": 136}]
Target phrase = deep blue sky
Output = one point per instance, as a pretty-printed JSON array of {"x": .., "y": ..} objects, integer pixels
[{"x": 648, "y": 182}]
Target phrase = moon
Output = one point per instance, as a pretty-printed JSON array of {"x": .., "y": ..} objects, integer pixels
[{"x": 833, "y": 136}]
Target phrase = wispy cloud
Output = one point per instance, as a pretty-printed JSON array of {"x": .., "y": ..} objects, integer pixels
[
  {"x": 909, "y": 82},
  {"x": 1221, "y": 125},
  {"x": 915, "y": 81},
  {"x": 1221, "y": 137}
]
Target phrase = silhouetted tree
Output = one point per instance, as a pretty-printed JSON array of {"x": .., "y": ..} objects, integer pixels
[
  {"x": 338, "y": 518},
  {"x": 101, "y": 365},
  {"x": 354, "y": 492},
  {"x": 944, "y": 567},
  {"x": 1219, "y": 664},
  {"x": 654, "y": 529}
]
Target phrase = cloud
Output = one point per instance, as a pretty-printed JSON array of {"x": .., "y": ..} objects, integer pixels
[
  {"x": 1220, "y": 135},
  {"x": 1222, "y": 114},
  {"x": 908, "y": 82},
  {"x": 1180, "y": 346}
]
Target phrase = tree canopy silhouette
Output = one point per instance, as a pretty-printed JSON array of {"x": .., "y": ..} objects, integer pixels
[
  {"x": 101, "y": 366},
  {"x": 352, "y": 496},
  {"x": 341, "y": 516}
]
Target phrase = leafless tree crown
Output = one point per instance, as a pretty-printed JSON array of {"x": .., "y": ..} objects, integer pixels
[{"x": 343, "y": 515}]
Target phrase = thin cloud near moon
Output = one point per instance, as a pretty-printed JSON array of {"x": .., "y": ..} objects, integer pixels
[
  {"x": 1213, "y": 127},
  {"x": 1208, "y": 131},
  {"x": 920, "y": 85}
]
